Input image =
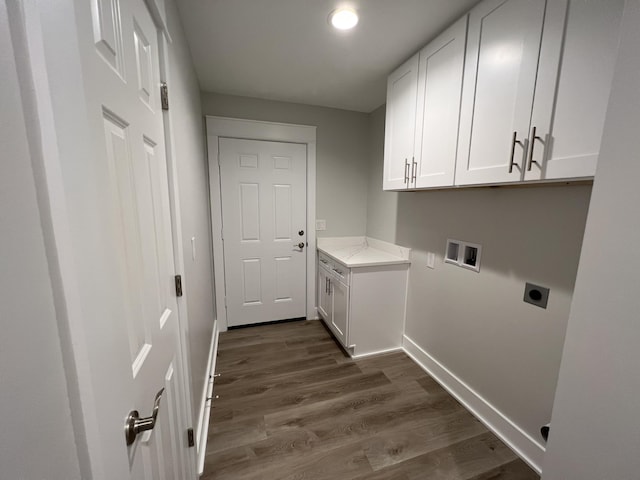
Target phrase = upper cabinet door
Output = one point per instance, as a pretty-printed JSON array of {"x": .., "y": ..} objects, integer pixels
[
  {"x": 439, "y": 92},
  {"x": 402, "y": 87},
  {"x": 499, "y": 82},
  {"x": 577, "y": 60}
]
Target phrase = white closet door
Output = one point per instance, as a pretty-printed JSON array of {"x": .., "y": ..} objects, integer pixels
[{"x": 119, "y": 211}]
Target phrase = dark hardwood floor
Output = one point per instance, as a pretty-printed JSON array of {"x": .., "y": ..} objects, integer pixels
[{"x": 291, "y": 405}]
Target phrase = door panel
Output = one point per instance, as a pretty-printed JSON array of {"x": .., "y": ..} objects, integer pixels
[{"x": 263, "y": 187}]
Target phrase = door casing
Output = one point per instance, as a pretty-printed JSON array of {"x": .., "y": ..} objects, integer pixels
[{"x": 270, "y": 131}]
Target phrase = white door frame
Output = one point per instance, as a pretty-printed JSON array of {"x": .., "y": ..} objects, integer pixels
[{"x": 270, "y": 131}]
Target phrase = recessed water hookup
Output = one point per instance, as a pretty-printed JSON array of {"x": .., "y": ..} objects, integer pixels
[{"x": 463, "y": 254}]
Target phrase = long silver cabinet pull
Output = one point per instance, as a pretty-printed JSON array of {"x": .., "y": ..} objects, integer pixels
[
  {"x": 532, "y": 143},
  {"x": 406, "y": 170},
  {"x": 513, "y": 151},
  {"x": 134, "y": 425},
  {"x": 414, "y": 169}
]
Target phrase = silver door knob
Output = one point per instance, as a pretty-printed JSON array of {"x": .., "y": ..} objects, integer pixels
[
  {"x": 300, "y": 245},
  {"x": 134, "y": 425}
]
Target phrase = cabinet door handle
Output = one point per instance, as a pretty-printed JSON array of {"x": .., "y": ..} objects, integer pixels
[
  {"x": 534, "y": 137},
  {"x": 414, "y": 169},
  {"x": 406, "y": 170},
  {"x": 513, "y": 151},
  {"x": 327, "y": 285}
]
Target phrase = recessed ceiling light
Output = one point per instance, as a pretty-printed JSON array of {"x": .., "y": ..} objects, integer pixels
[{"x": 344, "y": 18}]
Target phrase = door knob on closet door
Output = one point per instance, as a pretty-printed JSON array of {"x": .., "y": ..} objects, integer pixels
[
  {"x": 300, "y": 245},
  {"x": 134, "y": 424}
]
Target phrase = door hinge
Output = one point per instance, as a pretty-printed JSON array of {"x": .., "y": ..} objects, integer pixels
[
  {"x": 190, "y": 438},
  {"x": 178, "y": 280},
  {"x": 164, "y": 96}
]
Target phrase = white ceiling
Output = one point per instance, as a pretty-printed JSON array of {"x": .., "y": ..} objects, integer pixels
[{"x": 286, "y": 50}]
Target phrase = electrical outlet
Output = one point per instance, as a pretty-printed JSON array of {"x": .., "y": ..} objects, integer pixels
[
  {"x": 321, "y": 225},
  {"x": 536, "y": 295}
]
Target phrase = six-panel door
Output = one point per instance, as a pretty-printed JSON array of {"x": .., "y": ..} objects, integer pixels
[
  {"x": 263, "y": 186},
  {"x": 119, "y": 214}
]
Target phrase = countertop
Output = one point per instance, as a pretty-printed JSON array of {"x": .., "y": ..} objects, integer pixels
[{"x": 356, "y": 252}]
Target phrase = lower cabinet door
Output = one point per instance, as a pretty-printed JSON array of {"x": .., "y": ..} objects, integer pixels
[
  {"x": 340, "y": 316},
  {"x": 324, "y": 295}
]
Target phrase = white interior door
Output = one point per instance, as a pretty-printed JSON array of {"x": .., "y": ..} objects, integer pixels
[
  {"x": 263, "y": 189},
  {"x": 118, "y": 196}
]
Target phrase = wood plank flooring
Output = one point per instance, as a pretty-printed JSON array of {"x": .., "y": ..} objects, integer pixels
[{"x": 292, "y": 406}]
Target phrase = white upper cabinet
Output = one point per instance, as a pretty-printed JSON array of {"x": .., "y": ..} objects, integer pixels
[
  {"x": 499, "y": 82},
  {"x": 438, "y": 114},
  {"x": 402, "y": 90},
  {"x": 577, "y": 59},
  {"x": 535, "y": 76}
]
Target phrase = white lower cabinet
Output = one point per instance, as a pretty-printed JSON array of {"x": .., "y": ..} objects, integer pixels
[{"x": 364, "y": 307}]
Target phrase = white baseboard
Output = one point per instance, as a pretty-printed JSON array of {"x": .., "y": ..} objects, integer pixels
[
  {"x": 525, "y": 446},
  {"x": 205, "y": 403},
  {"x": 378, "y": 352}
]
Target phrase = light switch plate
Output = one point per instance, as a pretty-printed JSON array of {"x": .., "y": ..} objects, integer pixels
[
  {"x": 431, "y": 260},
  {"x": 321, "y": 225}
]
